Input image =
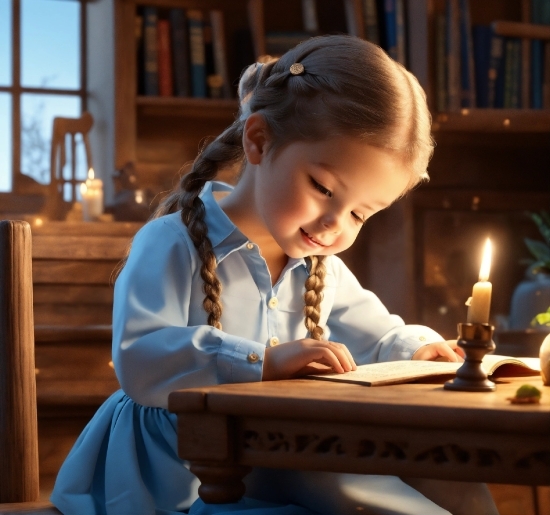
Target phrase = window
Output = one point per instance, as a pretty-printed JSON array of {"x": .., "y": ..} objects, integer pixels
[{"x": 42, "y": 75}]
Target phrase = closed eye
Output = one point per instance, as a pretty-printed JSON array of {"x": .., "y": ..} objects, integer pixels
[
  {"x": 358, "y": 218},
  {"x": 320, "y": 188}
]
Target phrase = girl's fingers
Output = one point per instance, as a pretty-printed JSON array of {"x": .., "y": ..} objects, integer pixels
[{"x": 347, "y": 353}]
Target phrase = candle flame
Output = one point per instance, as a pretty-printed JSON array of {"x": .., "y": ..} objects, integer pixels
[
  {"x": 91, "y": 174},
  {"x": 83, "y": 188},
  {"x": 485, "y": 262}
]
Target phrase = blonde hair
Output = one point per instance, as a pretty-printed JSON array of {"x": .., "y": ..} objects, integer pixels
[{"x": 349, "y": 87}]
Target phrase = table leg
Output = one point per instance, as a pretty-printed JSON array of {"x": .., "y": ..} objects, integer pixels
[{"x": 220, "y": 483}]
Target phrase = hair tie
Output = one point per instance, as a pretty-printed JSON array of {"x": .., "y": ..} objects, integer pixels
[{"x": 297, "y": 69}]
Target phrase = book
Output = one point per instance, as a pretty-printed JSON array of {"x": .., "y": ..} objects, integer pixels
[
  {"x": 453, "y": 55},
  {"x": 138, "y": 32},
  {"x": 467, "y": 69},
  {"x": 164, "y": 58},
  {"x": 407, "y": 371},
  {"x": 150, "y": 54},
  {"x": 197, "y": 53},
  {"x": 482, "y": 36},
  {"x": 390, "y": 23},
  {"x": 220, "y": 51},
  {"x": 180, "y": 52},
  {"x": 496, "y": 72},
  {"x": 309, "y": 15},
  {"x": 400, "y": 35},
  {"x": 440, "y": 63},
  {"x": 370, "y": 20}
]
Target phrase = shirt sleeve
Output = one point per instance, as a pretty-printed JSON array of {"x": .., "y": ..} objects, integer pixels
[
  {"x": 360, "y": 321},
  {"x": 155, "y": 349}
]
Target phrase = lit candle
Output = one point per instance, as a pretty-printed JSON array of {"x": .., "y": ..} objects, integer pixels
[
  {"x": 92, "y": 197},
  {"x": 479, "y": 304}
]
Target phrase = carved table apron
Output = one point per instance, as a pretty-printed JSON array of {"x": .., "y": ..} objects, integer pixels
[{"x": 414, "y": 430}]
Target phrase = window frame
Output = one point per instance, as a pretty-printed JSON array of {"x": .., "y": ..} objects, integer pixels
[{"x": 16, "y": 90}]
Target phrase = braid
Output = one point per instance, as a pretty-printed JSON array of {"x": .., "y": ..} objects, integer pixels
[{"x": 314, "y": 295}]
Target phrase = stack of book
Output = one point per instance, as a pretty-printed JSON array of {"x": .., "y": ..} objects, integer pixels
[
  {"x": 181, "y": 53},
  {"x": 501, "y": 65}
]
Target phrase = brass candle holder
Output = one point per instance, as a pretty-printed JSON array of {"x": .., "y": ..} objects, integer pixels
[{"x": 476, "y": 340}]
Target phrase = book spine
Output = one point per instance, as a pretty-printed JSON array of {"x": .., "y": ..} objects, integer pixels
[
  {"x": 516, "y": 74},
  {"x": 525, "y": 73},
  {"x": 220, "y": 51},
  {"x": 180, "y": 52},
  {"x": 508, "y": 72},
  {"x": 197, "y": 52},
  {"x": 164, "y": 59},
  {"x": 467, "y": 70},
  {"x": 546, "y": 77},
  {"x": 391, "y": 28},
  {"x": 482, "y": 36},
  {"x": 494, "y": 73},
  {"x": 440, "y": 63},
  {"x": 139, "y": 54},
  {"x": 309, "y": 15},
  {"x": 536, "y": 73},
  {"x": 453, "y": 55},
  {"x": 370, "y": 17},
  {"x": 150, "y": 54},
  {"x": 401, "y": 49}
]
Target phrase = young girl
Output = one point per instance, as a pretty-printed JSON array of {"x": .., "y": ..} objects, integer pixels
[{"x": 248, "y": 287}]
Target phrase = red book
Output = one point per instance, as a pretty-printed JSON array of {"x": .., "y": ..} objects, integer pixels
[{"x": 166, "y": 84}]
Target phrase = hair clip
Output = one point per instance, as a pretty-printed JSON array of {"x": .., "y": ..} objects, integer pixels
[{"x": 297, "y": 69}]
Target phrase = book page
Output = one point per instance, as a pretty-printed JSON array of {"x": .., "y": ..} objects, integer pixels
[{"x": 394, "y": 372}]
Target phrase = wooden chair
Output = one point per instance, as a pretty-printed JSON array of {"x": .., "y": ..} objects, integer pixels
[
  {"x": 19, "y": 491},
  {"x": 57, "y": 207}
]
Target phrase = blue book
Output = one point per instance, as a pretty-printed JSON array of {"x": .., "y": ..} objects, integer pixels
[
  {"x": 467, "y": 71},
  {"x": 536, "y": 73},
  {"x": 150, "y": 54},
  {"x": 453, "y": 55},
  {"x": 180, "y": 51},
  {"x": 197, "y": 53},
  {"x": 390, "y": 22},
  {"x": 496, "y": 72},
  {"x": 482, "y": 38}
]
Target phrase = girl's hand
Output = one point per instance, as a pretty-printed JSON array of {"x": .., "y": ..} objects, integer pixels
[
  {"x": 301, "y": 357},
  {"x": 440, "y": 351}
]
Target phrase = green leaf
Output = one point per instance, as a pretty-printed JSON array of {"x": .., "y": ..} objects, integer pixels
[
  {"x": 540, "y": 250},
  {"x": 541, "y": 220}
]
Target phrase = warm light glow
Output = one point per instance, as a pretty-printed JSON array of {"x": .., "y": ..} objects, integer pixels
[
  {"x": 485, "y": 262},
  {"x": 138, "y": 195},
  {"x": 91, "y": 174},
  {"x": 83, "y": 188},
  {"x": 38, "y": 222}
]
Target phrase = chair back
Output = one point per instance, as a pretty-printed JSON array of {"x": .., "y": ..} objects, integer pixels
[
  {"x": 18, "y": 421},
  {"x": 58, "y": 159}
]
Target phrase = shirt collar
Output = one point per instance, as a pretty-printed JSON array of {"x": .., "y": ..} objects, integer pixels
[{"x": 224, "y": 235}]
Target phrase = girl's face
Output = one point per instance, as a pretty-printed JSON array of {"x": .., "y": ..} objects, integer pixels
[{"x": 314, "y": 197}]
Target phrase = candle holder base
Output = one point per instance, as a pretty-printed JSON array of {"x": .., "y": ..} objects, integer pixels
[{"x": 476, "y": 340}]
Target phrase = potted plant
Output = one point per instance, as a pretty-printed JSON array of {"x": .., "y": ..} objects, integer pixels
[{"x": 532, "y": 296}]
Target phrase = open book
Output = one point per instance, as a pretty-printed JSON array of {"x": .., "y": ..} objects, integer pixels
[{"x": 395, "y": 372}]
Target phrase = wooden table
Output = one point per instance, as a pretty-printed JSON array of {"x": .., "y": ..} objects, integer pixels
[{"x": 414, "y": 430}]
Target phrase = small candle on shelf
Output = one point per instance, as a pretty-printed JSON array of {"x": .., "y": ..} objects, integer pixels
[
  {"x": 479, "y": 304},
  {"x": 92, "y": 197}
]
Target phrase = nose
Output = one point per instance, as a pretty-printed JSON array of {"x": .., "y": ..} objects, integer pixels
[{"x": 331, "y": 222}]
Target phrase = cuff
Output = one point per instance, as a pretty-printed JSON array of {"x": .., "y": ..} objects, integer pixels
[
  {"x": 416, "y": 336},
  {"x": 240, "y": 360}
]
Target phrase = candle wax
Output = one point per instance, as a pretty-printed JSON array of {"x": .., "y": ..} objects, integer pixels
[{"x": 480, "y": 303}]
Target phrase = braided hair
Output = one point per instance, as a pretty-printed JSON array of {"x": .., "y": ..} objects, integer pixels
[{"x": 345, "y": 87}]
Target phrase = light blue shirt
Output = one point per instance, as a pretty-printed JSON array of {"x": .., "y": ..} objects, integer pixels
[{"x": 161, "y": 340}]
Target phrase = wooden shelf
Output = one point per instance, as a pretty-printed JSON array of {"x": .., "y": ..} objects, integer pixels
[
  {"x": 493, "y": 120},
  {"x": 208, "y": 108}
]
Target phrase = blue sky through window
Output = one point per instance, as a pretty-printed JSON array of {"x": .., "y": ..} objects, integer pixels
[{"x": 50, "y": 58}]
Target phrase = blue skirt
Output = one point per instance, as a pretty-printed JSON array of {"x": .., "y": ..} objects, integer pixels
[{"x": 125, "y": 462}]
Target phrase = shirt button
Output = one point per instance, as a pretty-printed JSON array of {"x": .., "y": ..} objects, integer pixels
[
  {"x": 253, "y": 357},
  {"x": 422, "y": 338},
  {"x": 273, "y": 341},
  {"x": 273, "y": 302},
  {"x": 250, "y": 246}
]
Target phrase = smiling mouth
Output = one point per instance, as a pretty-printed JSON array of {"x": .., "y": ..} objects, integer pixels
[{"x": 311, "y": 238}]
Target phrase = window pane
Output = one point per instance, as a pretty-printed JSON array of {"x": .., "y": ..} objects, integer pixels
[
  {"x": 5, "y": 142},
  {"x": 37, "y": 114},
  {"x": 50, "y": 43},
  {"x": 5, "y": 42}
]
